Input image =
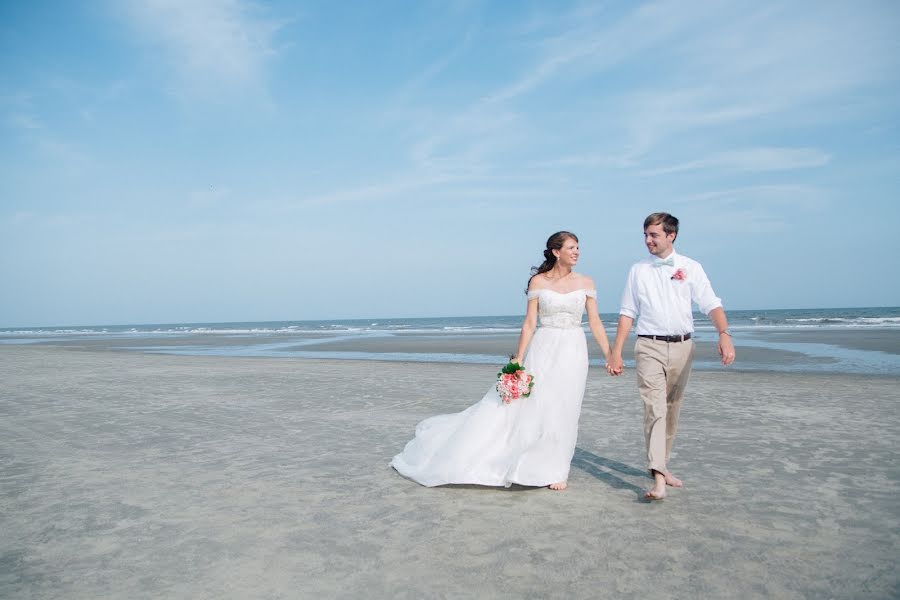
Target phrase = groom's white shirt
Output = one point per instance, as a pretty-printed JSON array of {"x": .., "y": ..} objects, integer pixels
[{"x": 661, "y": 304}]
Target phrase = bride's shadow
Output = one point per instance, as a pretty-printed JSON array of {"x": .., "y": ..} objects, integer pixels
[{"x": 602, "y": 469}]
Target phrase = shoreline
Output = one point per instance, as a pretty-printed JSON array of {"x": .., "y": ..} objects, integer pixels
[{"x": 872, "y": 351}]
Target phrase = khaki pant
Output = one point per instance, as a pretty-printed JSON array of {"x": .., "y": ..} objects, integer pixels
[{"x": 663, "y": 369}]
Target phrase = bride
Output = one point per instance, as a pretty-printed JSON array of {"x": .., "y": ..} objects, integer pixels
[{"x": 530, "y": 441}]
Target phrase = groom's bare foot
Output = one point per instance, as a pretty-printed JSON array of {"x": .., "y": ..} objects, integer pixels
[
  {"x": 655, "y": 493},
  {"x": 559, "y": 486},
  {"x": 673, "y": 481},
  {"x": 658, "y": 491}
]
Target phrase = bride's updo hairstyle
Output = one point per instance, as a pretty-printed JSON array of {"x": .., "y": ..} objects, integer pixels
[{"x": 554, "y": 242}]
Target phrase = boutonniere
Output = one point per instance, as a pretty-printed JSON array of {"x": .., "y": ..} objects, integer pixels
[{"x": 680, "y": 275}]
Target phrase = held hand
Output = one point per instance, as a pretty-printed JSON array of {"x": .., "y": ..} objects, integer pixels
[
  {"x": 726, "y": 349},
  {"x": 615, "y": 365}
]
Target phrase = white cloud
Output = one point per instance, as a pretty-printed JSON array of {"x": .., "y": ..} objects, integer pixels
[
  {"x": 658, "y": 84},
  {"x": 581, "y": 45},
  {"x": 209, "y": 42},
  {"x": 712, "y": 66}
]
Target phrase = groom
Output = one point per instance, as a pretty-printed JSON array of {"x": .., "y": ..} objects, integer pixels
[{"x": 659, "y": 293}]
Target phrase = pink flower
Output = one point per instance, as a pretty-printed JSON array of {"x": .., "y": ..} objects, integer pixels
[
  {"x": 680, "y": 275},
  {"x": 514, "y": 384}
]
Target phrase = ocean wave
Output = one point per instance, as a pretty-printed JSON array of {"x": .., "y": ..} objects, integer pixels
[
  {"x": 212, "y": 331},
  {"x": 57, "y": 332},
  {"x": 847, "y": 320},
  {"x": 887, "y": 318},
  {"x": 478, "y": 329}
]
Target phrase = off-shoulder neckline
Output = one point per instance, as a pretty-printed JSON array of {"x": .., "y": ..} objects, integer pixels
[{"x": 563, "y": 293}]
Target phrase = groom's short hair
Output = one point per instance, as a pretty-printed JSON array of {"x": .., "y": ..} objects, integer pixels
[{"x": 668, "y": 222}]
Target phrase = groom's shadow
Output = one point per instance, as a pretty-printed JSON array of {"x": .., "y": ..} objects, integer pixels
[
  {"x": 602, "y": 469},
  {"x": 591, "y": 464}
]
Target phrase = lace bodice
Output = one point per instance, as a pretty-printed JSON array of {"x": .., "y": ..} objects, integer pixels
[{"x": 563, "y": 310}]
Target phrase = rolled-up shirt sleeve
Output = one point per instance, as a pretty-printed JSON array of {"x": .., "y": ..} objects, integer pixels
[
  {"x": 702, "y": 293},
  {"x": 629, "y": 306}
]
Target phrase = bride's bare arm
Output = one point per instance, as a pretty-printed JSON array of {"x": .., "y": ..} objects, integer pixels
[
  {"x": 528, "y": 327},
  {"x": 596, "y": 326},
  {"x": 593, "y": 316}
]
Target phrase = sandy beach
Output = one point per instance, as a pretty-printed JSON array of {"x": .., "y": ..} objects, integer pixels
[{"x": 129, "y": 475}]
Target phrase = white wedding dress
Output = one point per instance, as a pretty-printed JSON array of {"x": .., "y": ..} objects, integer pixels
[{"x": 529, "y": 441}]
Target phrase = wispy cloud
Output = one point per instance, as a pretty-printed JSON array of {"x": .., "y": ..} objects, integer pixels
[
  {"x": 764, "y": 64},
  {"x": 60, "y": 153},
  {"x": 656, "y": 88},
  {"x": 376, "y": 191},
  {"x": 756, "y": 208},
  {"x": 588, "y": 160},
  {"x": 575, "y": 46},
  {"x": 23, "y": 121},
  {"x": 752, "y": 159},
  {"x": 29, "y": 220},
  {"x": 591, "y": 42},
  {"x": 652, "y": 118},
  {"x": 715, "y": 66},
  {"x": 67, "y": 156},
  {"x": 209, "y": 42},
  {"x": 802, "y": 196},
  {"x": 436, "y": 67}
]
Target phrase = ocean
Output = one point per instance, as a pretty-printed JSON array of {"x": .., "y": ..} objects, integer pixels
[{"x": 845, "y": 340}]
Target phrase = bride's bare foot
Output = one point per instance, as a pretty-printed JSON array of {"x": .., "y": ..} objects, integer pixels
[
  {"x": 673, "y": 481},
  {"x": 559, "y": 486}
]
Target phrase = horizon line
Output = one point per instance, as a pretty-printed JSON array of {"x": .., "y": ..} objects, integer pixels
[{"x": 8, "y": 327}]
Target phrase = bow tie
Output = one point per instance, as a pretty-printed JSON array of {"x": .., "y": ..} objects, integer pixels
[{"x": 669, "y": 262}]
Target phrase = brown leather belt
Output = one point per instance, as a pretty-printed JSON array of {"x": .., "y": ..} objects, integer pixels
[{"x": 668, "y": 338}]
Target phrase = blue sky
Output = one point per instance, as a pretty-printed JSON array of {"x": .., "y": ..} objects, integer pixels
[{"x": 169, "y": 161}]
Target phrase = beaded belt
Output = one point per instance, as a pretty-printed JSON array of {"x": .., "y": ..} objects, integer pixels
[{"x": 668, "y": 338}]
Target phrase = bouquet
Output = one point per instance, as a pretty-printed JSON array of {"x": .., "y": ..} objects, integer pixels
[{"x": 513, "y": 382}]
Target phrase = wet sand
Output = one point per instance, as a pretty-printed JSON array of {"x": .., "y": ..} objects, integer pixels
[
  {"x": 852, "y": 350},
  {"x": 449, "y": 348},
  {"x": 127, "y": 475},
  {"x": 502, "y": 346},
  {"x": 872, "y": 339}
]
